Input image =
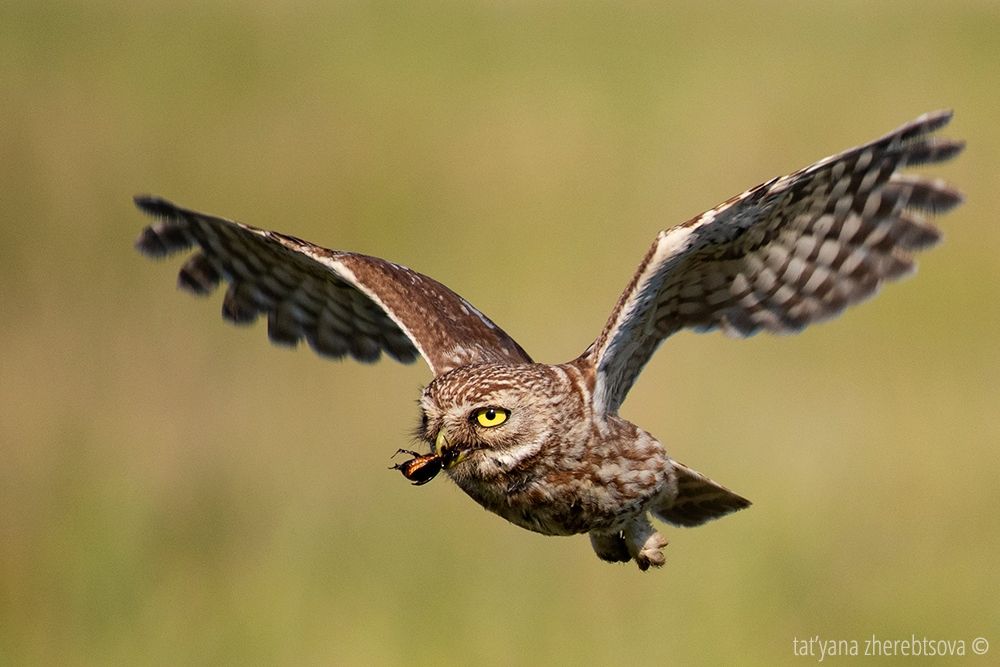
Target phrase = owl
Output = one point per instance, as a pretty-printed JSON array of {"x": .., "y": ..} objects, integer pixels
[{"x": 542, "y": 445}]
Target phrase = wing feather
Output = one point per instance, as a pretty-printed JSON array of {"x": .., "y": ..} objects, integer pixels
[
  {"x": 341, "y": 303},
  {"x": 792, "y": 251}
]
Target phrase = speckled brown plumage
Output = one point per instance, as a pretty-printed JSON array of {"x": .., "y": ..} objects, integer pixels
[{"x": 542, "y": 445}]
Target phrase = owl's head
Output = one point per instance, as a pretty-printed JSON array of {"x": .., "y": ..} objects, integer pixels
[{"x": 484, "y": 420}]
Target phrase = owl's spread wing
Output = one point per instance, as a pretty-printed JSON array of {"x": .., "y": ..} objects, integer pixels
[
  {"x": 787, "y": 253},
  {"x": 340, "y": 302}
]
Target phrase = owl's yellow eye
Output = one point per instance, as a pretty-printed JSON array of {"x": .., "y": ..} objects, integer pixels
[{"x": 490, "y": 417}]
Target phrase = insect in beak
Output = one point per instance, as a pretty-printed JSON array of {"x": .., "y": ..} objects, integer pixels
[{"x": 420, "y": 469}]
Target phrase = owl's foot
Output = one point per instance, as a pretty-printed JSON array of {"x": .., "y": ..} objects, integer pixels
[
  {"x": 639, "y": 541},
  {"x": 644, "y": 544},
  {"x": 610, "y": 547}
]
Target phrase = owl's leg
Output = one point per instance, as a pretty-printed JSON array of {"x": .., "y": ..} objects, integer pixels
[
  {"x": 610, "y": 547},
  {"x": 644, "y": 543}
]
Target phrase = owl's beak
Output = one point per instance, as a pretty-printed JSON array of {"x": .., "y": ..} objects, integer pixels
[{"x": 449, "y": 455}]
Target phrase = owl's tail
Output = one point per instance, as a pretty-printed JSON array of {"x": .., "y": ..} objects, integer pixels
[{"x": 698, "y": 499}]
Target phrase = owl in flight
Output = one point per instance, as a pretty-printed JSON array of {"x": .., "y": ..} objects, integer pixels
[{"x": 542, "y": 445}]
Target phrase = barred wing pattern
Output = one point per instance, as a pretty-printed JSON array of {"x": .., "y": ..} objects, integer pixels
[
  {"x": 342, "y": 303},
  {"x": 787, "y": 253}
]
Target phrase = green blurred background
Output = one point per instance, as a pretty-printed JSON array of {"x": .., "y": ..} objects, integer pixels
[{"x": 173, "y": 490}]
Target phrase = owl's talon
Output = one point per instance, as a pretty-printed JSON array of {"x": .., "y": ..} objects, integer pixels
[
  {"x": 644, "y": 543},
  {"x": 651, "y": 556}
]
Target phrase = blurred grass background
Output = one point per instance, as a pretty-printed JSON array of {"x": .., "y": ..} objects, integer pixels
[{"x": 176, "y": 491}]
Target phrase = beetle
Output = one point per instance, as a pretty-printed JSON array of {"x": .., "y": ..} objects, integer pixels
[{"x": 421, "y": 469}]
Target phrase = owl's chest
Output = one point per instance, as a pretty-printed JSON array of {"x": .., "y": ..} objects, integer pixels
[{"x": 565, "y": 499}]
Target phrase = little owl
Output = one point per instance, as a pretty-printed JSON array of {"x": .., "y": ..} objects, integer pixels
[{"x": 542, "y": 445}]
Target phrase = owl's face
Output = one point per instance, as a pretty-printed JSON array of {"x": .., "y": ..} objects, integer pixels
[{"x": 485, "y": 420}]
